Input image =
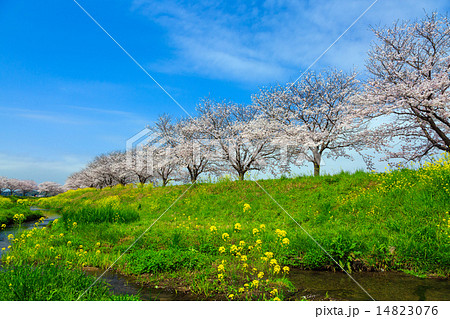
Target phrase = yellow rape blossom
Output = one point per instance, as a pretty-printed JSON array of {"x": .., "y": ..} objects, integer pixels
[
  {"x": 260, "y": 275},
  {"x": 221, "y": 268},
  {"x": 222, "y": 249},
  {"x": 242, "y": 243},
  {"x": 246, "y": 207},
  {"x": 237, "y": 227},
  {"x": 280, "y": 233},
  {"x": 276, "y": 269},
  {"x": 285, "y": 241},
  {"x": 225, "y": 236},
  {"x": 269, "y": 254},
  {"x": 286, "y": 269},
  {"x": 255, "y": 231}
]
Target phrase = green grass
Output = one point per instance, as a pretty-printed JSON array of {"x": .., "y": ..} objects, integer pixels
[
  {"x": 51, "y": 283},
  {"x": 12, "y": 205},
  {"x": 397, "y": 220}
]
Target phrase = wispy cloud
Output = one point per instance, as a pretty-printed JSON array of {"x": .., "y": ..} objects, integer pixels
[
  {"x": 266, "y": 41},
  {"x": 43, "y": 116},
  {"x": 72, "y": 115},
  {"x": 40, "y": 169}
]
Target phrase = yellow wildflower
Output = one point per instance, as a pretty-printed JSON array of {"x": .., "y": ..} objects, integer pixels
[
  {"x": 222, "y": 249},
  {"x": 246, "y": 207},
  {"x": 286, "y": 269},
  {"x": 69, "y": 243},
  {"x": 259, "y": 242},
  {"x": 213, "y": 228},
  {"x": 244, "y": 265},
  {"x": 242, "y": 243},
  {"x": 241, "y": 290},
  {"x": 285, "y": 241},
  {"x": 276, "y": 269},
  {"x": 255, "y": 283},
  {"x": 61, "y": 235},
  {"x": 255, "y": 231},
  {"x": 274, "y": 292},
  {"x": 220, "y": 276},
  {"x": 237, "y": 227},
  {"x": 262, "y": 226},
  {"x": 233, "y": 248},
  {"x": 260, "y": 275},
  {"x": 221, "y": 268},
  {"x": 225, "y": 236},
  {"x": 280, "y": 233},
  {"x": 250, "y": 247},
  {"x": 269, "y": 254},
  {"x": 273, "y": 262},
  {"x": 98, "y": 252},
  {"x": 231, "y": 296},
  {"x": 276, "y": 299},
  {"x": 97, "y": 244},
  {"x": 244, "y": 258},
  {"x": 74, "y": 224}
]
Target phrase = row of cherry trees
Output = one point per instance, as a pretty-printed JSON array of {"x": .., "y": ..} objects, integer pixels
[
  {"x": 24, "y": 187},
  {"x": 330, "y": 113}
]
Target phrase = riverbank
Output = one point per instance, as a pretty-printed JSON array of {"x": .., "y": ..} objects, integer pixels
[
  {"x": 231, "y": 240},
  {"x": 15, "y": 210}
]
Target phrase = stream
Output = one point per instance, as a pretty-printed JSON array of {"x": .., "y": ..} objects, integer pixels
[{"x": 314, "y": 285}]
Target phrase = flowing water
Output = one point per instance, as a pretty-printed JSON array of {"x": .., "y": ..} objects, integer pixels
[
  {"x": 380, "y": 285},
  {"x": 315, "y": 285},
  {"x": 14, "y": 229}
]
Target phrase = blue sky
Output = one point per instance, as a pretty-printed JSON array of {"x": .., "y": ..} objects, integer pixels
[{"x": 68, "y": 93}]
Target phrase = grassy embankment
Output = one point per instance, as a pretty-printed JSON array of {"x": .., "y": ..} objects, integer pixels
[
  {"x": 14, "y": 206},
  {"x": 230, "y": 240}
]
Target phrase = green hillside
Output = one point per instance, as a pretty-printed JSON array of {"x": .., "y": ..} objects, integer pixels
[{"x": 232, "y": 239}]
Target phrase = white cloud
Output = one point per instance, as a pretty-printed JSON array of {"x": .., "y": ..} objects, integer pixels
[{"x": 269, "y": 42}]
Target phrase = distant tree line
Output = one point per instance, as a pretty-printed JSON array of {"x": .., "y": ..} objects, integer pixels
[
  {"x": 405, "y": 101},
  {"x": 13, "y": 186}
]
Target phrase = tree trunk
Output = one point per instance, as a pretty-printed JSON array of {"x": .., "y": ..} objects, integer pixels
[
  {"x": 317, "y": 157},
  {"x": 241, "y": 176},
  {"x": 316, "y": 169}
]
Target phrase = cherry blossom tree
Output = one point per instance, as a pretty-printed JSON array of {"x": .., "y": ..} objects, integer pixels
[
  {"x": 314, "y": 116},
  {"x": 12, "y": 185},
  {"x": 409, "y": 87},
  {"x": 27, "y": 186},
  {"x": 50, "y": 188},
  {"x": 238, "y": 142},
  {"x": 3, "y": 184}
]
